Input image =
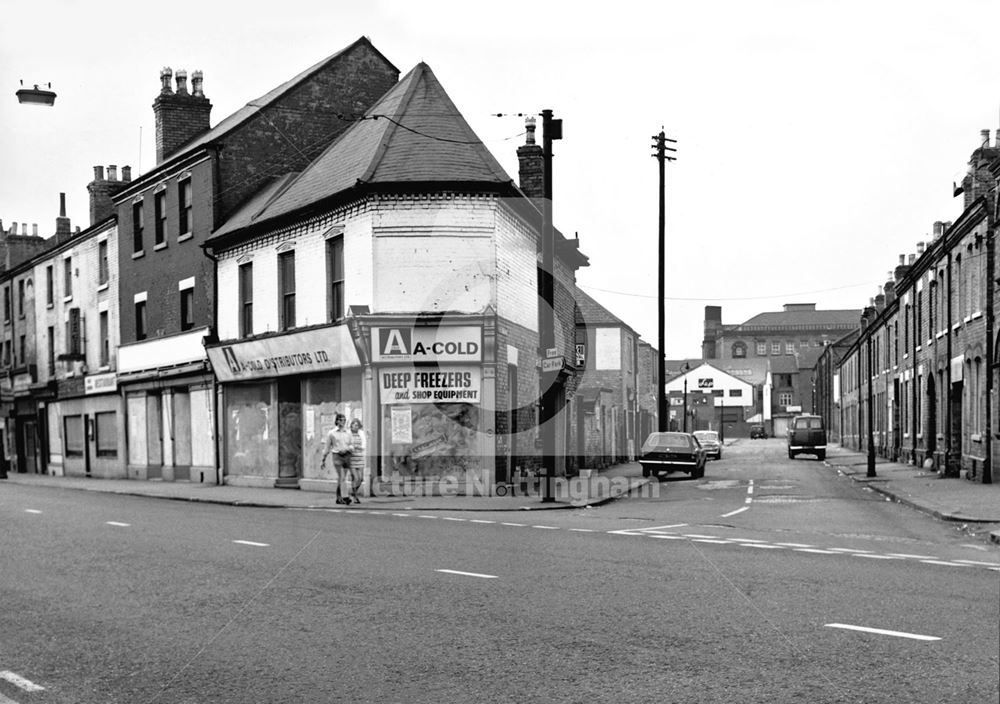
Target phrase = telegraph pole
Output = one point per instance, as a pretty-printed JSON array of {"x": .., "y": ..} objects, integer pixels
[
  {"x": 551, "y": 130},
  {"x": 871, "y": 405},
  {"x": 660, "y": 144}
]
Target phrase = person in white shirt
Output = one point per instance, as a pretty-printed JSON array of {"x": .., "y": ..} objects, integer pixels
[
  {"x": 358, "y": 445},
  {"x": 338, "y": 444}
]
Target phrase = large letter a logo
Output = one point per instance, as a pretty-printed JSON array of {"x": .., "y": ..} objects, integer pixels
[{"x": 393, "y": 341}]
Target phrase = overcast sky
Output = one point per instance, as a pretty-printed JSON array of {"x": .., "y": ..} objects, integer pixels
[{"x": 817, "y": 141}]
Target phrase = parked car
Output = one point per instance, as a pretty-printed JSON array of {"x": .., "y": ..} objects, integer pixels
[
  {"x": 757, "y": 432},
  {"x": 709, "y": 441},
  {"x": 671, "y": 452},
  {"x": 807, "y": 434}
]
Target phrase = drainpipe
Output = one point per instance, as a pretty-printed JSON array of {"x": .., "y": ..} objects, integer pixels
[
  {"x": 949, "y": 332},
  {"x": 216, "y": 389},
  {"x": 990, "y": 317}
]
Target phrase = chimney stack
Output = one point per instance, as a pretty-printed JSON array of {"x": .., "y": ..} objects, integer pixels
[
  {"x": 979, "y": 181},
  {"x": 529, "y": 157},
  {"x": 938, "y": 229},
  {"x": 62, "y": 222},
  {"x": 920, "y": 248},
  {"x": 913, "y": 258},
  {"x": 102, "y": 191},
  {"x": 180, "y": 116}
]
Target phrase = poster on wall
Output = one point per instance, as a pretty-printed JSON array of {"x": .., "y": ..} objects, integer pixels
[
  {"x": 445, "y": 384},
  {"x": 402, "y": 425}
]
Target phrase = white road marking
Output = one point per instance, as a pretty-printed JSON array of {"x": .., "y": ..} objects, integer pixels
[
  {"x": 881, "y": 631},
  {"x": 747, "y": 540},
  {"x": 750, "y": 487},
  {"x": 847, "y": 550},
  {"x": 733, "y": 513},
  {"x": 672, "y": 525},
  {"x": 761, "y": 545},
  {"x": 795, "y": 545},
  {"x": 547, "y": 527},
  {"x": 31, "y": 510},
  {"x": 916, "y": 557},
  {"x": 450, "y": 518},
  {"x": 426, "y": 516},
  {"x": 403, "y": 515},
  {"x": 667, "y": 537},
  {"x": 695, "y": 535},
  {"x": 250, "y": 542},
  {"x": 975, "y": 562},
  {"x": 20, "y": 682},
  {"x": 469, "y": 574},
  {"x": 876, "y": 557},
  {"x": 116, "y": 523},
  {"x": 942, "y": 562},
  {"x": 705, "y": 540},
  {"x": 519, "y": 525},
  {"x": 480, "y": 520},
  {"x": 816, "y": 551},
  {"x": 582, "y": 530}
]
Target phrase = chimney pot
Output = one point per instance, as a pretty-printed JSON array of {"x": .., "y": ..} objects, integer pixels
[
  {"x": 920, "y": 247},
  {"x": 62, "y": 205},
  {"x": 182, "y": 77},
  {"x": 112, "y": 172},
  {"x": 165, "y": 75},
  {"x": 196, "y": 84},
  {"x": 913, "y": 258},
  {"x": 529, "y": 127},
  {"x": 34, "y": 229},
  {"x": 985, "y": 134},
  {"x": 24, "y": 229},
  {"x": 126, "y": 173},
  {"x": 98, "y": 173},
  {"x": 902, "y": 259}
]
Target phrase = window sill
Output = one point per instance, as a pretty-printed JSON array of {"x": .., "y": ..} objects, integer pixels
[
  {"x": 158, "y": 247},
  {"x": 976, "y": 315},
  {"x": 186, "y": 236},
  {"x": 956, "y": 326},
  {"x": 68, "y": 299},
  {"x": 103, "y": 287},
  {"x": 138, "y": 255},
  {"x": 976, "y": 437},
  {"x": 941, "y": 334},
  {"x": 50, "y": 305}
]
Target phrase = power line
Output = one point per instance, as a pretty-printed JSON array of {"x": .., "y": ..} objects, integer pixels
[{"x": 747, "y": 298}]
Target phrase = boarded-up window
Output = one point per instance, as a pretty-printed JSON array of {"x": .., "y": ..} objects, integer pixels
[
  {"x": 107, "y": 435},
  {"x": 74, "y": 435}
]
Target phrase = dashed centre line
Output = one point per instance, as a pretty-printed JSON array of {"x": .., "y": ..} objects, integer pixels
[
  {"x": 469, "y": 574},
  {"x": 252, "y": 543},
  {"x": 31, "y": 510},
  {"x": 881, "y": 631},
  {"x": 20, "y": 682},
  {"x": 116, "y": 523}
]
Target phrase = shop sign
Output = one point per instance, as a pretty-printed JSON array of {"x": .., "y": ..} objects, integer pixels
[
  {"x": 706, "y": 383},
  {"x": 305, "y": 352},
  {"x": 453, "y": 343},
  {"x": 450, "y": 384},
  {"x": 100, "y": 383}
]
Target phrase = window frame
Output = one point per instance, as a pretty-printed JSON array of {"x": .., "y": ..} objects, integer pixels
[
  {"x": 138, "y": 227},
  {"x": 184, "y": 210},
  {"x": 286, "y": 290},
  {"x": 245, "y": 293},
  {"x": 141, "y": 324},
  {"x": 336, "y": 300}
]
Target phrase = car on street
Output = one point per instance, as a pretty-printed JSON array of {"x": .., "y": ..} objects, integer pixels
[
  {"x": 709, "y": 441},
  {"x": 672, "y": 452},
  {"x": 807, "y": 435},
  {"x": 758, "y": 432}
]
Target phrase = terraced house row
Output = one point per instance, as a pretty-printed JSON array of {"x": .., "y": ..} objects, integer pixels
[
  {"x": 343, "y": 244},
  {"x": 922, "y": 364}
]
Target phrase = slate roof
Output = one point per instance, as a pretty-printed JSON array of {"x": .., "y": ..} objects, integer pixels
[
  {"x": 413, "y": 134},
  {"x": 821, "y": 318},
  {"x": 254, "y": 106},
  {"x": 590, "y": 312}
]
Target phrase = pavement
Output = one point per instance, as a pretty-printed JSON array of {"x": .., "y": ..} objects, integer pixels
[{"x": 973, "y": 506}]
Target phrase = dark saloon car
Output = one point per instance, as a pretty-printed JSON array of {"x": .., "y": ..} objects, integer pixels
[
  {"x": 758, "y": 432},
  {"x": 807, "y": 434},
  {"x": 709, "y": 441},
  {"x": 672, "y": 452}
]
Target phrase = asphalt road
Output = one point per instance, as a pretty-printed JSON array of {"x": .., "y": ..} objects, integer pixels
[{"x": 746, "y": 586}]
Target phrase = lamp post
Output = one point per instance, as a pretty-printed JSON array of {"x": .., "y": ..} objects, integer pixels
[{"x": 687, "y": 368}]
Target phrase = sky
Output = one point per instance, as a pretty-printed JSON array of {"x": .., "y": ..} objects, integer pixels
[{"x": 816, "y": 141}]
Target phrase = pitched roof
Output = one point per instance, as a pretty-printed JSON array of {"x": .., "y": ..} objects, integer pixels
[
  {"x": 255, "y": 106},
  {"x": 413, "y": 134},
  {"x": 778, "y": 319},
  {"x": 590, "y": 312}
]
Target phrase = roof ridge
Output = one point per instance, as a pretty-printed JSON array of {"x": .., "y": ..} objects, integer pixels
[{"x": 379, "y": 151}]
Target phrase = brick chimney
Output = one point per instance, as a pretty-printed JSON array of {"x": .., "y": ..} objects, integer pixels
[
  {"x": 180, "y": 116},
  {"x": 63, "y": 228},
  {"x": 102, "y": 190},
  {"x": 529, "y": 157},
  {"x": 979, "y": 181},
  {"x": 713, "y": 325},
  {"x": 889, "y": 289}
]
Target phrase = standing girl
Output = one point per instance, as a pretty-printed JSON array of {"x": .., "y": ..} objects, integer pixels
[
  {"x": 338, "y": 443},
  {"x": 358, "y": 445}
]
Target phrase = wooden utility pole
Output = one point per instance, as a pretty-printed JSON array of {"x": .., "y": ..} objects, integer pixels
[{"x": 662, "y": 422}]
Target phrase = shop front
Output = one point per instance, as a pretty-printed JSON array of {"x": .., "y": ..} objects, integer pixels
[
  {"x": 281, "y": 395},
  {"x": 436, "y": 396},
  {"x": 85, "y": 427}
]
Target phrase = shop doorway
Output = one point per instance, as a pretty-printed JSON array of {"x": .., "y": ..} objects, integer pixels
[
  {"x": 27, "y": 459},
  {"x": 289, "y": 432},
  {"x": 154, "y": 435}
]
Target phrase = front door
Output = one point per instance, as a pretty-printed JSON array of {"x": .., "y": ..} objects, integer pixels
[{"x": 289, "y": 432}]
